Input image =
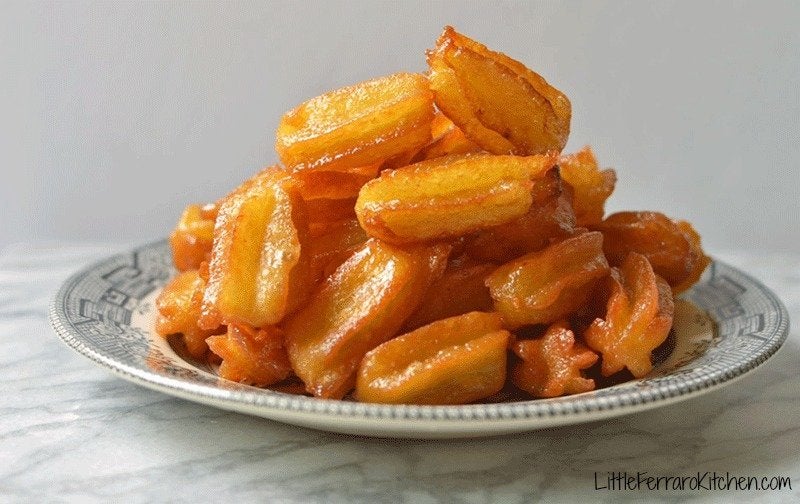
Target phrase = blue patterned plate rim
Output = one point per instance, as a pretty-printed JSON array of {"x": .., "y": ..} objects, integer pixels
[{"x": 102, "y": 312}]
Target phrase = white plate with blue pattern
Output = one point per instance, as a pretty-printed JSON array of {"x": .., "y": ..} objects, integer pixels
[{"x": 727, "y": 325}]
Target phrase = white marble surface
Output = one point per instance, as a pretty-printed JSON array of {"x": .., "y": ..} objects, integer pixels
[{"x": 71, "y": 431}]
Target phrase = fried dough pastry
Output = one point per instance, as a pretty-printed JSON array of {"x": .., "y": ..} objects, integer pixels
[
  {"x": 638, "y": 319},
  {"x": 448, "y": 140},
  {"x": 449, "y": 196},
  {"x": 332, "y": 247},
  {"x": 549, "y": 218},
  {"x": 545, "y": 286},
  {"x": 672, "y": 247},
  {"x": 591, "y": 186},
  {"x": 452, "y": 361},
  {"x": 361, "y": 305},
  {"x": 551, "y": 366},
  {"x": 252, "y": 356},
  {"x": 438, "y": 207},
  {"x": 192, "y": 238},
  {"x": 323, "y": 212},
  {"x": 333, "y": 185},
  {"x": 178, "y": 306},
  {"x": 461, "y": 289},
  {"x": 357, "y": 125},
  {"x": 259, "y": 269},
  {"x": 497, "y": 102}
]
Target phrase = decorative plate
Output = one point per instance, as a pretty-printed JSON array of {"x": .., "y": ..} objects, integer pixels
[{"x": 728, "y": 325}]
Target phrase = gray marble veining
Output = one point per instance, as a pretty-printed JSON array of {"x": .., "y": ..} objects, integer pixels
[{"x": 71, "y": 431}]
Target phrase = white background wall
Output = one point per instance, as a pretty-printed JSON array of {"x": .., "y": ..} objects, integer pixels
[{"x": 114, "y": 116}]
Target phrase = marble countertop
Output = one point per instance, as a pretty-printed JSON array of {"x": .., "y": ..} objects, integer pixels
[{"x": 71, "y": 431}]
